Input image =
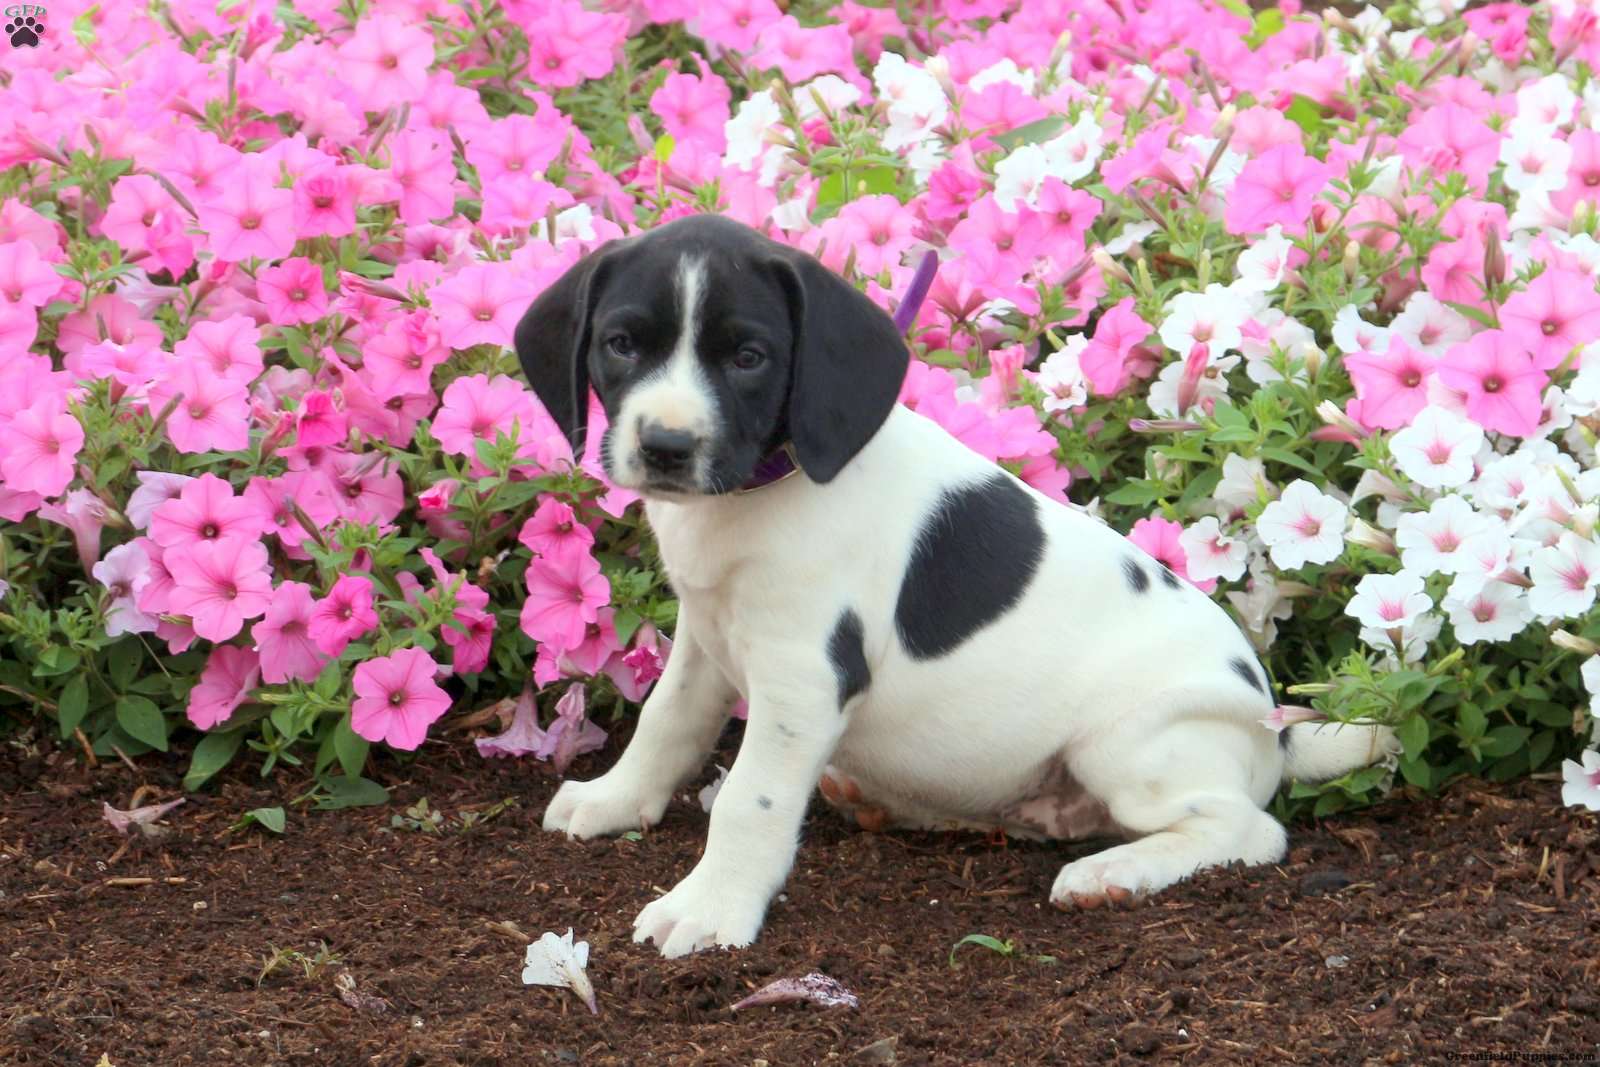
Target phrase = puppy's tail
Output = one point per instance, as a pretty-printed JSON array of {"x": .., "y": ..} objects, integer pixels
[{"x": 1318, "y": 751}]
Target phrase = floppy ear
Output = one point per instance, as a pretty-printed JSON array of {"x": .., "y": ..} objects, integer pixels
[
  {"x": 552, "y": 341},
  {"x": 849, "y": 363}
]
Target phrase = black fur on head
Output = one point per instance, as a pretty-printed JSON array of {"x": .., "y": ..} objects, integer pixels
[{"x": 783, "y": 350}]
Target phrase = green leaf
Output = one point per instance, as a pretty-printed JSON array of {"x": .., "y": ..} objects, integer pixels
[
  {"x": 664, "y": 146},
  {"x": 1539, "y": 748},
  {"x": 213, "y": 753},
  {"x": 1304, "y": 112},
  {"x": 993, "y": 944},
  {"x": 267, "y": 818},
  {"x": 1504, "y": 740},
  {"x": 345, "y": 791},
  {"x": 329, "y": 681},
  {"x": 1283, "y": 455},
  {"x": 142, "y": 721},
  {"x": 1414, "y": 735},
  {"x": 1471, "y": 721},
  {"x": 351, "y": 748},
  {"x": 73, "y": 705},
  {"x": 627, "y": 623},
  {"x": 1031, "y": 133},
  {"x": 1136, "y": 494},
  {"x": 1328, "y": 804},
  {"x": 124, "y": 660},
  {"x": 1417, "y": 773},
  {"x": 1478, "y": 315},
  {"x": 1238, "y": 7},
  {"x": 83, "y": 27},
  {"x": 1267, "y": 23}
]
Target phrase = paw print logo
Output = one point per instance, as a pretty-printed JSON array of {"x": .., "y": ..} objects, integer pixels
[{"x": 22, "y": 29}]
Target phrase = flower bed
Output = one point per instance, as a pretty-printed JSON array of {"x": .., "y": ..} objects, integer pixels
[{"x": 1305, "y": 303}]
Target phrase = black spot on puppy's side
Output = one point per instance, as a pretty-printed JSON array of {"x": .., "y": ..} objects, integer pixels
[
  {"x": 1172, "y": 580},
  {"x": 1241, "y": 667},
  {"x": 974, "y": 557},
  {"x": 1138, "y": 580},
  {"x": 847, "y": 650}
]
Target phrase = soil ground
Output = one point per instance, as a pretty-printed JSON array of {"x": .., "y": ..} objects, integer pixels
[{"x": 1421, "y": 931}]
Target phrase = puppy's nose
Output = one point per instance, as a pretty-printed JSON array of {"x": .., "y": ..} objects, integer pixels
[{"x": 664, "y": 449}]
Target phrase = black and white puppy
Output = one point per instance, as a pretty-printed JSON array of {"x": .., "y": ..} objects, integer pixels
[{"x": 933, "y": 640}]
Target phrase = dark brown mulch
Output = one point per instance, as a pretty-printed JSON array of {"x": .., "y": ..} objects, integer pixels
[{"x": 1422, "y": 928}]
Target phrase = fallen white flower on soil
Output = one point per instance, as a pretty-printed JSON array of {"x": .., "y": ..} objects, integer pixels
[
  {"x": 557, "y": 961},
  {"x": 345, "y": 983},
  {"x": 143, "y": 818},
  {"x": 818, "y": 989}
]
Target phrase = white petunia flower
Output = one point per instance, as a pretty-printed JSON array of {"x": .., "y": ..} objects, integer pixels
[
  {"x": 1211, "y": 553},
  {"x": 125, "y": 571},
  {"x": 1414, "y": 640},
  {"x": 1436, "y": 450},
  {"x": 1564, "y": 577},
  {"x": 1503, "y": 484},
  {"x": 1074, "y": 153},
  {"x": 1581, "y": 782},
  {"x": 998, "y": 73},
  {"x": 1493, "y": 612},
  {"x": 556, "y": 961},
  {"x": 1303, "y": 526},
  {"x": 1389, "y": 601},
  {"x": 1062, "y": 379},
  {"x": 1130, "y": 235},
  {"x": 1214, "y": 317},
  {"x": 835, "y": 93},
  {"x": 1535, "y": 160},
  {"x": 1545, "y": 104},
  {"x": 747, "y": 130},
  {"x": 1591, "y": 682},
  {"x": 917, "y": 102},
  {"x": 1426, "y": 324},
  {"x": 1352, "y": 333},
  {"x": 1483, "y": 557},
  {"x": 1017, "y": 177},
  {"x": 1261, "y": 267},
  {"x": 1430, "y": 541},
  {"x": 1243, "y": 482}
]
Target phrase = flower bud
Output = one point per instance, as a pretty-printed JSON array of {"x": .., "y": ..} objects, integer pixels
[
  {"x": 1352, "y": 260},
  {"x": 1370, "y": 537},
  {"x": 1194, "y": 368},
  {"x": 1494, "y": 258},
  {"x": 1573, "y": 643},
  {"x": 1107, "y": 265}
]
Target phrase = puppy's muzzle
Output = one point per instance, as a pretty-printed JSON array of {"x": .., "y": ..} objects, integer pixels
[{"x": 667, "y": 451}]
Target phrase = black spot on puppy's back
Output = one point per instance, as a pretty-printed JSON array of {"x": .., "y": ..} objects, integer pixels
[
  {"x": 1171, "y": 580},
  {"x": 1132, "y": 570},
  {"x": 1241, "y": 667},
  {"x": 847, "y": 650},
  {"x": 974, "y": 557}
]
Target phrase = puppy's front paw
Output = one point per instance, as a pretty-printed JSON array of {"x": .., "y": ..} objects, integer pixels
[
  {"x": 605, "y": 806},
  {"x": 700, "y": 912}
]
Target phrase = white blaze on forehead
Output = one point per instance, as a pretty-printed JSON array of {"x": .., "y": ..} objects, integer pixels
[{"x": 677, "y": 396}]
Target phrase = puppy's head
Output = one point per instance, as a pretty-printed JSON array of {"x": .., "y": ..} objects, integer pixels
[{"x": 710, "y": 347}]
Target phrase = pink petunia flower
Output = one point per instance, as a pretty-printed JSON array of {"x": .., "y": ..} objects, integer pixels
[
  {"x": 220, "y": 585},
  {"x": 1278, "y": 186},
  {"x": 85, "y": 515},
  {"x": 39, "y": 447},
  {"x": 283, "y": 637},
  {"x": 211, "y": 413},
  {"x": 1160, "y": 538},
  {"x": 565, "y": 594},
  {"x": 319, "y": 422},
  {"x": 397, "y": 698},
  {"x": 476, "y": 407},
  {"x": 229, "y": 347},
  {"x": 230, "y": 673},
  {"x": 524, "y": 737},
  {"x": 1558, "y": 311},
  {"x": 26, "y": 277},
  {"x": 325, "y": 202},
  {"x": 422, "y": 166},
  {"x": 343, "y": 615},
  {"x": 1392, "y": 386},
  {"x": 386, "y": 60},
  {"x": 293, "y": 291},
  {"x": 203, "y": 509},
  {"x": 249, "y": 217},
  {"x": 554, "y": 527},
  {"x": 478, "y": 305},
  {"x": 571, "y": 734},
  {"x": 125, "y": 572},
  {"x": 1498, "y": 377}
]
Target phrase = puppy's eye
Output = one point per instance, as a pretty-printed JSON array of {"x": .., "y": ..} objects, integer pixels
[
  {"x": 748, "y": 358},
  {"x": 621, "y": 346}
]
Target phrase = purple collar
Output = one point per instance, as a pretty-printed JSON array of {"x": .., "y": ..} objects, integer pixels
[
  {"x": 782, "y": 463},
  {"x": 775, "y": 468}
]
